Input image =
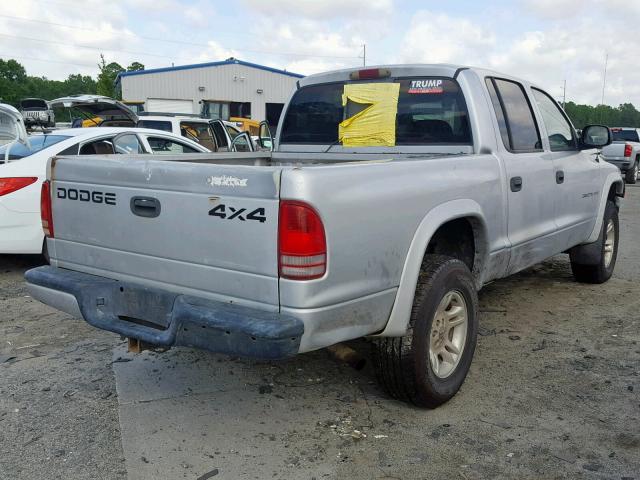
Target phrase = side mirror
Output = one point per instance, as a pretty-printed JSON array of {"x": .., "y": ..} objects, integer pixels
[
  {"x": 265, "y": 140},
  {"x": 595, "y": 136},
  {"x": 241, "y": 143}
]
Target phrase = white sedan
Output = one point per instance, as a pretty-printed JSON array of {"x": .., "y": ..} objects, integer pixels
[{"x": 23, "y": 165}]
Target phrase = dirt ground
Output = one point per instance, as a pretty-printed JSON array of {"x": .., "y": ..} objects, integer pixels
[{"x": 552, "y": 393}]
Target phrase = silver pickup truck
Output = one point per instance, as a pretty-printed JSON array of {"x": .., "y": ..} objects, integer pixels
[
  {"x": 392, "y": 195},
  {"x": 624, "y": 152}
]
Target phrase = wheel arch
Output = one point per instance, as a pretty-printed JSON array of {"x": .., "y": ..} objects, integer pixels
[
  {"x": 436, "y": 218},
  {"x": 613, "y": 190}
]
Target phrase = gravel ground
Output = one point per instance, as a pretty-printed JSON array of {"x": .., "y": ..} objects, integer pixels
[{"x": 552, "y": 393}]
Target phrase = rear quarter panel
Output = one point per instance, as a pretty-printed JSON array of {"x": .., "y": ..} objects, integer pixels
[{"x": 371, "y": 213}]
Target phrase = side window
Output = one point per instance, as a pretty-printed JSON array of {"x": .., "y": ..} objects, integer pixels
[
  {"x": 218, "y": 129},
  {"x": 502, "y": 123},
  {"x": 104, "y": 146},
  {"x": 72, "y": 150},
  {"x": 242, "y": 143},
  {"x": 164, "y": 146},
  {"x": 522, "y": 130},
  {"x": 198, "y": 132},
  {"x": 127, "y": 144},
  {"x": 232, "y": 131},
  {"x": 559, "y": 130}
]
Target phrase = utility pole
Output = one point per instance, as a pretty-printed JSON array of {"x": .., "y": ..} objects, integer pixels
[
  {"x": 604, "y": 77},
  {"x": 564, "y": 93},
  {"x": 364, "y": 54}
]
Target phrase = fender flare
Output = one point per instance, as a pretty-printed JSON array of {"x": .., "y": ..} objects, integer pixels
[
  {"x": 435, "y": 218},
  {"x": 612, "y": 178}
]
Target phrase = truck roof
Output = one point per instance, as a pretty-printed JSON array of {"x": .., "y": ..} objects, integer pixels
[{"x": 406, "y": 70}]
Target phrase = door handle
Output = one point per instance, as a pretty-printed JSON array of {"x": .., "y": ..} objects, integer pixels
[
  {"x": 516, "y": 184},
  {"x": 559, "y": 176},
  {"x": 147, "y": 207}
]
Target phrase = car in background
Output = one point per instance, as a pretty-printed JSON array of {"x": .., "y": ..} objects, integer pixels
[
  {"x": 23, "y": 167},
  {"x": 216, "y": 135},
  {"x": 12, "y": 128},
  {"x": 624, "y": 152},
  {"x": 37, "y": 112}
]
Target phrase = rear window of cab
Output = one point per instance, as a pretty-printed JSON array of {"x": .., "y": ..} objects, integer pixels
[{"x": 428, "y": 111}]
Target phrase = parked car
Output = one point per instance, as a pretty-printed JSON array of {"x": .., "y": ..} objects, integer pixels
[
  {"x": 12, "y": 128},
  {"x": 23, "y": 167},
  {"x": 624, "y": 152},
  {"x": 37, "y": 112},
  {"x": 215, "y": 135},
  {"x": 380, "y": 222}
]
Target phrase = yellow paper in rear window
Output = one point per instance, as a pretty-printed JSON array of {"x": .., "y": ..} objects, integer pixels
[{"x": 375, "y": 126}]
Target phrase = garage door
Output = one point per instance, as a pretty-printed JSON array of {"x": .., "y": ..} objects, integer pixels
[{"x": 166, "y": 105}]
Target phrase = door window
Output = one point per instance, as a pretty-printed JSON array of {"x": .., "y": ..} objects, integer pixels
[
  {"x": 165, "y": 146},
  {"x": 218, "y": 130},
  {"x": 559, "y": 130},
  {"x": 510, "y": 102},
  {"x": 198, "y": 132},
  {"x": 104, "y": 146},
  {"x": 127, "y": 144},
  {"x": 242, "y": 143},
  {"x": 232, "y": 131}
]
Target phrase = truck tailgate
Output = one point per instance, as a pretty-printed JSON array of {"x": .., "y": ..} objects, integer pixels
[{"x": 202, "y": 229}]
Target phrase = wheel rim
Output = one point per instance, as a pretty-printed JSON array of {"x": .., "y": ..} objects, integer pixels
[
  {"x": 609, "y": 243},
  {"x": 448, "y": 334}
]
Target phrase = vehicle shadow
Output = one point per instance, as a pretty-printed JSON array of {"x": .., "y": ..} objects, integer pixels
[
  {"x": 21, "y": 263},
  {"x": 311, "y": 413}
]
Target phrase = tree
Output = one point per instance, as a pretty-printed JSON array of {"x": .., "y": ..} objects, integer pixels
[
  {"x": 135, "y": 66},
  {"x": 13, "y": 77},
  {"x": 107, "y": 77}
]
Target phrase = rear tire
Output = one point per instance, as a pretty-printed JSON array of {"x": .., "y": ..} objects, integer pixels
[
  {"x": 602, "y": 268},
  {"x": 422, "y": 367},
  {"x": 631, "y": 176}
]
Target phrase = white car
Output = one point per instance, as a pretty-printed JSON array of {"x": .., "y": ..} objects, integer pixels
[{"x": 23, "y": 165}]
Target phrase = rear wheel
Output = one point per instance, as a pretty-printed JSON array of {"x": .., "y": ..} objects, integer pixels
[
  {"x": 428, "y": 365},
  {"x": 601, "y": 268},
  {"x": 632, "y": 174}
]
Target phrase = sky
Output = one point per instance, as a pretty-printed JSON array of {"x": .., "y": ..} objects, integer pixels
[{"x": 545, "y": 41}]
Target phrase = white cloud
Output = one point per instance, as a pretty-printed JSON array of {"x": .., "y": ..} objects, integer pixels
[
  {"x": 572, "y": 48},
  {"x": 324, "y": 9},
  {"x": 308, "y": 46},
  {"x": 438, "y": 38}
]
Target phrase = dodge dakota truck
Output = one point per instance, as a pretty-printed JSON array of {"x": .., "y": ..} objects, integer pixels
[
  {"x": 391, "y": 196},
  {"x": 624, "y": 152}
]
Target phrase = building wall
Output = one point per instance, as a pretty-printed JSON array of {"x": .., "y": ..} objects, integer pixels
[{"x": 235, "y": 83}]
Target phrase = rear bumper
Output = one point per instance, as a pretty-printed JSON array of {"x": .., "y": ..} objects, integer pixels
[{"x": 167, "y": 319}]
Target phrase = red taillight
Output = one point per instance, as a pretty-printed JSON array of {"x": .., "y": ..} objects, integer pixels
[
  {"x": 627, "y": 150},
  {"x": 45, "y": 209},
  {"x": 370, "y": 74},
  {"x": 8, "y": 185},
  {"x": 301, "y": 242}
]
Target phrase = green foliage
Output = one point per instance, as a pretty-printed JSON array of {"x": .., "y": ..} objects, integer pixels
[
  {"x": 107, "y": 77},
  {"x": 625, "y": 115},
  {"x": 135, "y": 66},
  {"x": 15, "y": 84}
]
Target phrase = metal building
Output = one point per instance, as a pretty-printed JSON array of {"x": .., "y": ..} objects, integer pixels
[{"x": 231, "y": 88}]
